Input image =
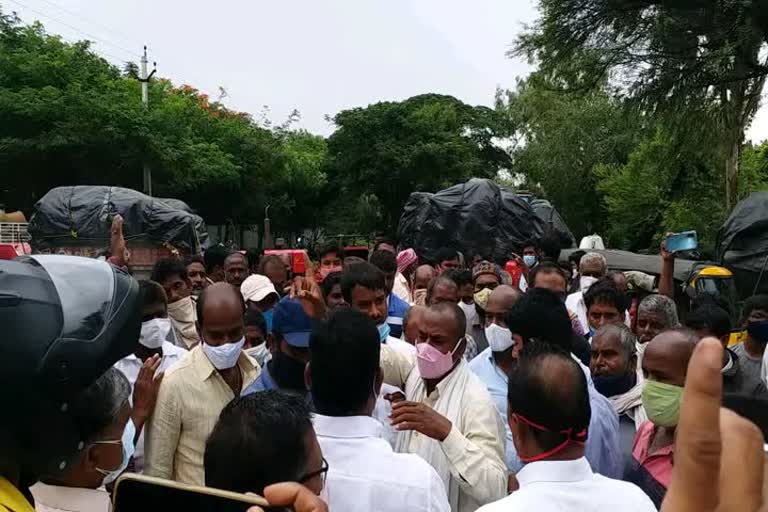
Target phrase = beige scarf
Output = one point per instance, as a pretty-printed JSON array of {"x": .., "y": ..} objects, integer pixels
[{"x": 184, "y": 318}]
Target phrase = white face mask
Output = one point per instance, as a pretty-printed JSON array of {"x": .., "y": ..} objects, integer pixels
[
  {"x": 585, "y": 282},
  {"x": 154, "y": 332},
  {"x": 224, "y": 356},
  {"x": 499, "y": 338},
  {"x": 259, "y": 353},
  {"x": 470, "y": 313}
]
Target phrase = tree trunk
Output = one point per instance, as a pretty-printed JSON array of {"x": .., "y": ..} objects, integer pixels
[{"x": 732, "y": 171}]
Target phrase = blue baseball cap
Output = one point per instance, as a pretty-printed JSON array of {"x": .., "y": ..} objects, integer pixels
[{"x": 291, "y": 323}]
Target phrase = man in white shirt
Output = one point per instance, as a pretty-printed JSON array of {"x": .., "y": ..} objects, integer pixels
[
  {"x": 592, "y": 267},
  {"x": 345, "y": 380},
  {"x": 153, "y": 340},
  {"x": 448, "y": 417},
  {"x": 549, "y": 416}
]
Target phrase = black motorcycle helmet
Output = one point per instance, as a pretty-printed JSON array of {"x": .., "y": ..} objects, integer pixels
[{"x": 64, "y": 321}]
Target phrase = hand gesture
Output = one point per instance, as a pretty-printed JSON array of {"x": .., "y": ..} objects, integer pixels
[
  {"x": 295, "y": 496},
  {"x": 309, "y": 293},
  {"x": 145, "y": 391},
  {"x": 118, "y": 247},
  {"x": 421, "y": 418},
  {"x": 719, "y": 456}
]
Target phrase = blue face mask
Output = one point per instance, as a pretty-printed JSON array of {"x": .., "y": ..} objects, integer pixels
[
  {"x": 529, "y": 260},
  {"x": 127, "y": 443},
  {"x": 268, "y": 318},
  {"x": 383, "y": 332}
]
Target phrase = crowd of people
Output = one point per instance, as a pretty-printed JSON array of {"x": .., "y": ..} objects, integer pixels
[{"x": 401, "y": 383}]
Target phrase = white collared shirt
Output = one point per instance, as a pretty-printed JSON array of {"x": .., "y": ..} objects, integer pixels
[
  {"x": 366, "y": 474},
  {"x": 56, "y": 498},
  {"x": 130, "y": 366},
  {"x": 570, "y": 485},
  {"x": 401, "y": 346}
]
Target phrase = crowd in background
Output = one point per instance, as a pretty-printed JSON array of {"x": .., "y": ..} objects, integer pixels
[{"x": 399, "y": 383}]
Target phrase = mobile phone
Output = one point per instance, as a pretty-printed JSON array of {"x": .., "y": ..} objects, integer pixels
[
  {"x": 138, "y": 493},
  {"x": 679, "y": 242}
]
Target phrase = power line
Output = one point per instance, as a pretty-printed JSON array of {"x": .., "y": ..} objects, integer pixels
[
  {"x": 86, "y": 34},
  {"x": 79, "y": 16}
]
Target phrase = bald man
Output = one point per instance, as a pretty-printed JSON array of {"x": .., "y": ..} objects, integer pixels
[
  {"x": 195, "y": 390},
  {"x": 412, "y": 322},
  {"x": 448, "y": 417},
  {"x": 421, "y": 278},
  {"x": 665, "y": 366},
  {"x": 495, "y": 363}
]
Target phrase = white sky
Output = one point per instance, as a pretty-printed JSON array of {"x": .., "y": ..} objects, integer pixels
[{"x": 317, "y": 56}]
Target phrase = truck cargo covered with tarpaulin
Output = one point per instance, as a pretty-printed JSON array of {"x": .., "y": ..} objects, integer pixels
[
  {"x": 82, "y": 216},
  {"x": 742, "y": 244},
  {"x": 476, "y": 217}
]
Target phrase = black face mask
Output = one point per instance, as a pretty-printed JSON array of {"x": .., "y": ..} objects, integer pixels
[
  {"x": 288, "y": 372},
  {"x": 609, "y": 386}
]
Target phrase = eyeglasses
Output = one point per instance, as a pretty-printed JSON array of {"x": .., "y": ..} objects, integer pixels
[{"x": 322, "y": 473}]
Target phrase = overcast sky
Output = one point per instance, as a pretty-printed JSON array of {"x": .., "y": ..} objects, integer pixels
[{"x": 318, "y": 57}]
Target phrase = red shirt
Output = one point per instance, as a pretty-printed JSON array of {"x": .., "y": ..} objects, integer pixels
[{"x": 658, "y": 463}]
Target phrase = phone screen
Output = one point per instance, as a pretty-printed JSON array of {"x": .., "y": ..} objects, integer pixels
[
  {"x": 135, "y": 493},
  {"x": 679, "y": 242}
]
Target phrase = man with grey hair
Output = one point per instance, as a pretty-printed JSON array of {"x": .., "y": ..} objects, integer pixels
[
  {"x": 655, "y": 313},
  {"x": 103, "y": 413},
  {"x": 592, "y": 267},
  {"x": 613, "y": 365}
]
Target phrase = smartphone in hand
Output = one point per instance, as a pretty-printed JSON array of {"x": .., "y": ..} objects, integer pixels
[
  {"x": 139, "y": 493},
  {"x": 679, "y": 242}
]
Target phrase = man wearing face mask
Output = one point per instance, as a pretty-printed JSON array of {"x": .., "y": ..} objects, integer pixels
[
  {"x": 407, "y": 261},
  {"x": 345, "y": 380},
  {"x": 614, "y": 372},
  {"x": 396, "y": 307},
  {"x": 665, "y": 365},
  {"x": 531, "y": 255},
  {"x": 592, "y": 267},
  {"x": 494, "y": 364},
  {"x": 463, "y": 279},
  {"x": 153, "y": 346},
  {"x": 289, "y": 348},
  {"x": 195, "y": 390},
  {"x": 751, "y": 352},
  {"x": 260, "y": 295},
  {"x": 485, "y": 278},
  {"x": 365, "y": 290},
  {"x": 448, "y": 417},
  {"x": 103, "y": 412},
  {"x": 171, "y": 274}
]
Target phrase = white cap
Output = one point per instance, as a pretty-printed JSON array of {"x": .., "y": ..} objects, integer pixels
[{"x": 256, "y": 287}]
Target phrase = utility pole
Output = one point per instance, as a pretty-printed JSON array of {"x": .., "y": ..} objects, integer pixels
[{"x": 144, "y": 79}]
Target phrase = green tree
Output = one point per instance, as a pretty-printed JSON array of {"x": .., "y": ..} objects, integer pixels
[
  {"x": 683, "y": 56},
  {"x": 424, "y": 143},
  {"x": 560, "y": 137}
]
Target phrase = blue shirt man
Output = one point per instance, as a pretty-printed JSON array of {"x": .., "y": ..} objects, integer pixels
[{"x": 289, "y": 345}]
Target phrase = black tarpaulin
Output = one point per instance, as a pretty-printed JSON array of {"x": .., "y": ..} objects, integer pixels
[
  {"x": 476, "y": 217},
  {"x": 742, "y": 243},
  {"x": 552, "y": 219},
  {"x": 82, "y": 215}
]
